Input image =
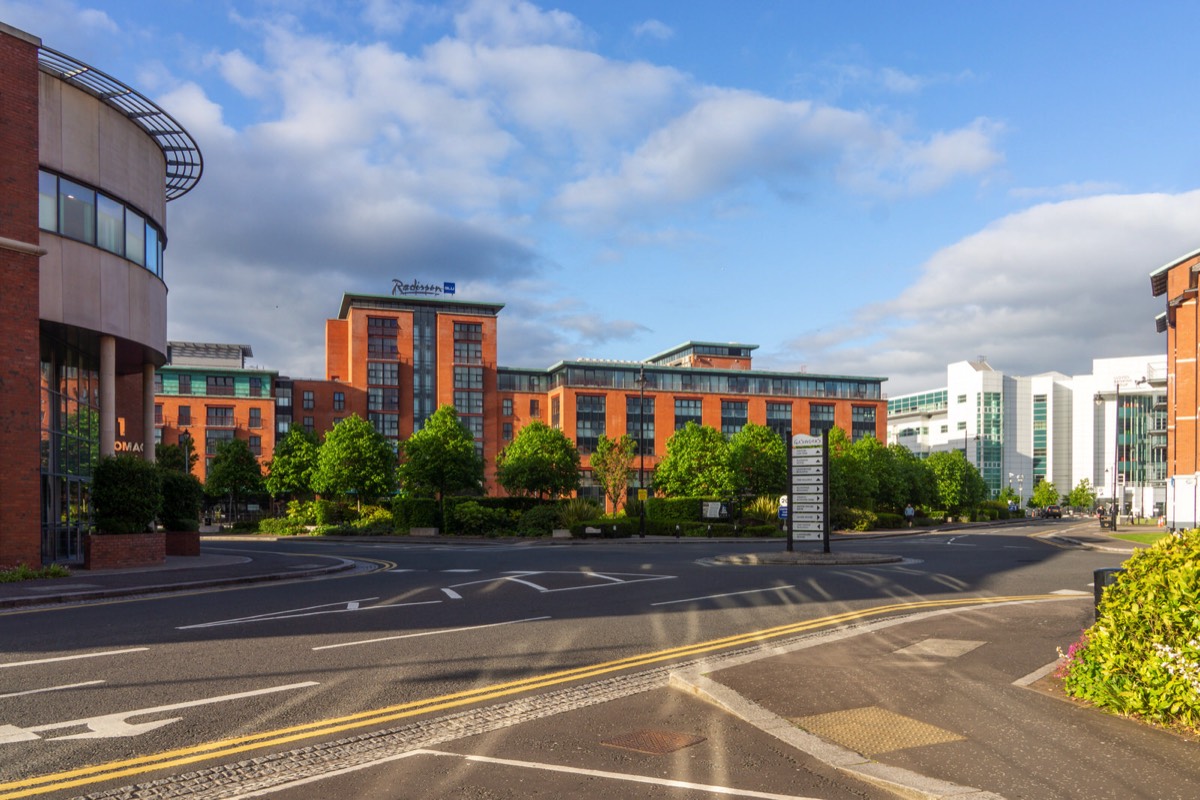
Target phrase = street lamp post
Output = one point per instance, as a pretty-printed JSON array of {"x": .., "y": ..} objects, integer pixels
[{"x": 641, "y": 450}]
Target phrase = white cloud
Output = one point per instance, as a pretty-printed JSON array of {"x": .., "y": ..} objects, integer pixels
[
  {"x": 1049, "y": 288},
  {"x": 731, "y": 138},
  {"x": 515, "y": 22},
  {"x": 653, "y": 29}
]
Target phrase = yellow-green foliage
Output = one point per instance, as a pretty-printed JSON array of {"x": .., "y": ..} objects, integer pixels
[{"x": 1142, "y": 656}]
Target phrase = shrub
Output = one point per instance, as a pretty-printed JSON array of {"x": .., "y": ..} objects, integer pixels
[
  {"x": 1142, "y": 655},
  {"x": 327, "y": 512},
  {"x": 303, "y": 512},
  {"x": 246, "y": 526},
  {"x": 415, "y": 512},
  {"x": 853, "y": 519},
  {"x": 576, "y": 510},
  {"x": 621, "y": 528},
  {"x": 473, "y": 519},
  {"x": 126, "y": 494},
  {"x": 676, "y": 509},
  {"x": 24, "y": 572},
  {"x": 763, "y": 508},
  {"x": 373, "y": 521},
  {"x": 281, "y": 526},
  {"x": 887, "y": 521},
  {"x": 539, "y": 520},
  {"x": 182, "y": 496}
]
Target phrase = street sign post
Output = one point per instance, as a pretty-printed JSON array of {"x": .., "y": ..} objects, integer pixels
[{"x": 808, "y": 495}]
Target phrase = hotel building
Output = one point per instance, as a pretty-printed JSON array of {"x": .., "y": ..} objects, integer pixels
[
  {"x": 395, "y": 359},
  {"x": 88, "y": 167}
]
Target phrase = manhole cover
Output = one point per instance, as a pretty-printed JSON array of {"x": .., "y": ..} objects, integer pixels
[{"x": 656, "y": 743}]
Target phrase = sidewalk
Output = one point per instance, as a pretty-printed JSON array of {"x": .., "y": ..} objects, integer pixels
[{"x": 955, "y": 704}]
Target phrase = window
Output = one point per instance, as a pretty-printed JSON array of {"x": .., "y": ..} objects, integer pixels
[
  {"x": 862, "y": 422},
  {"x": 185, "y": 384},
  {"x": 213, "y": 439},
  {"x": 383, "y": 399},
  {"x": 468, "y": 377},
  {"x": 820, "y": 418},
  {"x": 185, "y": 415},
  {"x": 381, "y": 337},
  {"x": 76, "y": 211},
  {"x": 220, "y": 385},
  {"x": 589, "y": 422},
  {"x": 733, "y": 416},
  {"x": 468, "y": 332},
  {"x": 468, "y": 402},
  {"x": 386, "y": 424},
  {"x": 256, "y": 387},
  {"x": 962, "y": 426},
  {"x": 256, "y": 445},
  {"x": 962, "y": 398},
  {"x": 506, "y": 407},
  {"x": 474, "y": 425},
  {"x": 687, "y": 410},
  {"x": 255, "y": 418},
  {"x": 110, "y": 225},
  {"x": 507, "y": 431},
  {"x": 218, "y": 416},
  {"x": 779, "y": 419},
  {"x": 945, "y": 429},
  {"x": 639, "y": 422},
  {"x": 47, "y": 201},
  {"x": 339, "y": 401},
  {"x": 468, "y": 353},
  {"x": 158, "y": 383},
  {"x": 308, "y": 424},
  {"x": 158, "y": 419},
  {"x": 308, "y": 401},
  {"x": 535, "y": 409},
  {"x": 135, "y": 237},
  {"x": 555, "y": 413}
]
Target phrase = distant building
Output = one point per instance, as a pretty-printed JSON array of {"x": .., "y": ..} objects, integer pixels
[
  {"x": 206, "y": 393},
  {"x": 1020, "y": 431},
  {"x": 1177, "y": 282},
  {"x": 87, "y": 166}
]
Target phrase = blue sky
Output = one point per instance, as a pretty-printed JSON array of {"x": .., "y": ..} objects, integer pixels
[{"x": 873, "y": 188}]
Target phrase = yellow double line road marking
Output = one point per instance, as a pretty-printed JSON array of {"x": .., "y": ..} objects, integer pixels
[{"x": 226, "y": 748}]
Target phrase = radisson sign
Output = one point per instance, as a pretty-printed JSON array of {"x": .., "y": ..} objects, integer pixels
[{"x": 416, "y": 287}]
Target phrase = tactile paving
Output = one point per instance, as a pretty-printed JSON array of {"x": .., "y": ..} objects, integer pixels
[{"x": 874, "y": 730}]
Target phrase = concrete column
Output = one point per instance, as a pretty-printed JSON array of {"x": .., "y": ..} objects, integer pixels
[
  {"x": 148, "y": 412},
  {"x": 108, "y": 396}
]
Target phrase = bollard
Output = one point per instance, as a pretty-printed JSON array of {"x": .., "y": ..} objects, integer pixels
[
  {"x": 710, "y": 530},
  {"x": 1102, "y": 578},
  {"x": 676, "y": 531}
]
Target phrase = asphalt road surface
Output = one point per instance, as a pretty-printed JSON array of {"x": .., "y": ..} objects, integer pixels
[{"x": 449, "y": 640}]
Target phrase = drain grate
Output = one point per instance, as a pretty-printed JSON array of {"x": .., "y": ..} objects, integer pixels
[{"x": 656, "y": 743}]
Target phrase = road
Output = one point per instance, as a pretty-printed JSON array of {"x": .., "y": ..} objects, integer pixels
[{"x": 418, "y": 632}]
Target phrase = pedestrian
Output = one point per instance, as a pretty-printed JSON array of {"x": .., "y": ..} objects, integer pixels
[{"x": 909, "y": 513}]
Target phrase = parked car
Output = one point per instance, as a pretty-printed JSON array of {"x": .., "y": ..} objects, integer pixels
[{"x": 1053, "y": 511}]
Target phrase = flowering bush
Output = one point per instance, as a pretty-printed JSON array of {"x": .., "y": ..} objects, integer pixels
[{"x": 1142, "y": 656}]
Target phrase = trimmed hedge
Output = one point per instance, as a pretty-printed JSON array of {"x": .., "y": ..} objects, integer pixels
[
  {"x": 1142, "y": 655},
  {"x": 126, "y": 494},
  {"x": 677, "y": 509},
  {"x": 415, "y": 512},
  {"x": 281, "y": 526},
  {"x": 182, "y": 496}
]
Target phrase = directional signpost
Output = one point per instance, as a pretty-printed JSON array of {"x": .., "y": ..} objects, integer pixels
[{"x": 808, "y": 506}]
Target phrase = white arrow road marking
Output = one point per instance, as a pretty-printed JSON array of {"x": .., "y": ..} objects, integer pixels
[
  {"x": 613, "y": 579},
  {"x": 310, "y": 611},
  {"x": 50, "y": 689},
  {"x": 104, "y": 726},
  {"x": 429, "y": 633},
  {"x": 453, "y": 595},
  {"x": 72, "y": 658}
]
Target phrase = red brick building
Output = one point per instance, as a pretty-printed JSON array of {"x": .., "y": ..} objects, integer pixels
[
  {"x": 1179, "y": 282},
  {"x": 87, "y": 166}
]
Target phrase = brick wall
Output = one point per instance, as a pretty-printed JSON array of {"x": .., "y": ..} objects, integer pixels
[
  {"x": 123, "y": 551},
  {"x": 20, "y": 537}
]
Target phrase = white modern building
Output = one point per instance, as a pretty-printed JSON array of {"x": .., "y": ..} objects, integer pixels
[{"x": 1108, "y": 427}]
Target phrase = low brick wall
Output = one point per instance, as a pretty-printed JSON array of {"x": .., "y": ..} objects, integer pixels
[
  {"x": 183, "y": 543},
  {"x": 124, "y": 550}
]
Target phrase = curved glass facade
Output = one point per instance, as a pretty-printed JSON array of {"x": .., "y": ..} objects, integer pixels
[{"x": 87, "y": 215}]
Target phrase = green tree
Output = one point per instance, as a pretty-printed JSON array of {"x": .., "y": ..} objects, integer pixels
[
  {"x": 355, "y": 459},
  {"x": 540, "y": 461},
  {"x": 440, "y": 459},
  {"x": 696, "y": 464},
  {"x": 913, "y": 477},
  {"x": 178, "y": 457},
  {"x": 759, "y": 460},
  {"x": 1044, "y": 494},
  {"x": 612, "y": 464},
  {"x": 958, "y": 486},
  {"x": 294, "y": 464},
  {"x": 235, "y": 473},
  {"x": 852, "y": 482},
  {"x": 1083, "y": 495}
]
